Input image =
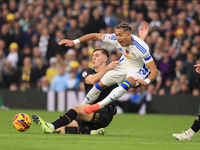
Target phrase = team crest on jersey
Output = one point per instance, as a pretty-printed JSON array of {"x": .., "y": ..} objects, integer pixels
[
  {"x": 84, "y": 74},
  {"x": 127, "y": 52},
  {"x": 133, "y": 55}
]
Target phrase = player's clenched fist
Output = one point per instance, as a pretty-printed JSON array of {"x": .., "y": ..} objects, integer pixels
[{"x": 66, "y": 42}]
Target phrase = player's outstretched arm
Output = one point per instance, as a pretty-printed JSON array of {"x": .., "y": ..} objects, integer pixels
[
  {"x": 154, "y": 73},
  {"x": 87, "y": 37},
  {"x": 144, "y": 31},
  {"x": 92, "y": 79},
  {"x": 198, "y": 68}
]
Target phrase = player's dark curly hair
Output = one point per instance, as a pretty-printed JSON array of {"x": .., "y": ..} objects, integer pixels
[
  {"x": 103, "y": 50},
  {"x": 124, "y": 26}
]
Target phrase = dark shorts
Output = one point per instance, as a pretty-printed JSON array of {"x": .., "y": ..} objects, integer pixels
[{"x": 101, "y": 118}]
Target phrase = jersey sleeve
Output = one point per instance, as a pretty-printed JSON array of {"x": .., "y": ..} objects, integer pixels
[
  {"x": 145, "y": 54},
  {"x": 110, "y": 38},
  {"x": 147, "y": 58}
]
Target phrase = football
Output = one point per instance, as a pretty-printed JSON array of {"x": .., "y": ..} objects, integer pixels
[{"x": 22, "y": 122}]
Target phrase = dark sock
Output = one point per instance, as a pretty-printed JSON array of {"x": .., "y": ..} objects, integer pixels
[
  {"x": 196, "y": 125},
  {"x": 65, "y": 119},
  {"x": 82, "y": 130},
  {"x": 71, "y": 130},
  {"x": 76, "y": 130}
]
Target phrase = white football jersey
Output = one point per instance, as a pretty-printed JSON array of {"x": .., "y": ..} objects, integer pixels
[{"x": 135, "y": 55}]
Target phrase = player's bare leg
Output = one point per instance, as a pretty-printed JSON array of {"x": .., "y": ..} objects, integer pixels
[{"x": 81, "y": 113}]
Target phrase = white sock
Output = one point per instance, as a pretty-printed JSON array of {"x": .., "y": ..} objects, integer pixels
[
  {"x": 52, "y": 126},
  {"x": 92, "y": 95},
  {"x": 114, "y": 94},
  {"x": 191, "y": 132}
]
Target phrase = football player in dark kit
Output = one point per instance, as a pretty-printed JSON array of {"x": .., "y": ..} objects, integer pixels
[{"x": 76, "y": 121}]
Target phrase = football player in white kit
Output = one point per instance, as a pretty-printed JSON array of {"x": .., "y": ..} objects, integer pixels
[{"x": 133, "y": 70}]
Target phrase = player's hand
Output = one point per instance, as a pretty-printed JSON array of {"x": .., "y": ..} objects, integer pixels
[
  {"x": 141, "y": 82},
  {"x": 66, "y": 42},
  {"x": 144, "y": 30},
  {"x": 198, "y": 68},
  {"x": 112, "y": 65}
]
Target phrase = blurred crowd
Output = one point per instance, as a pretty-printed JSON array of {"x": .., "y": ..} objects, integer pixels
[{"x": 30, "y": 57}]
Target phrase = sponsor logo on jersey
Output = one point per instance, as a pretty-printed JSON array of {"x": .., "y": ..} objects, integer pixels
[
  {"x": 127, "y": 56},
  {"x": 133, "y": 55},
  {"x": 84, "y": 74}
]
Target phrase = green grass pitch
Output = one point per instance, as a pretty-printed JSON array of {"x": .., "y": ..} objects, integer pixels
[{"x": 127, "y": 131}]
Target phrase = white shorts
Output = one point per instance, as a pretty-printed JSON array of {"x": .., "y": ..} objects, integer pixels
[{"x": 120, "y": 73}]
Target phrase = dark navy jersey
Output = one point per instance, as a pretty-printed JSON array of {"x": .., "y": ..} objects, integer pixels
[{"x": 88, "y": 87}]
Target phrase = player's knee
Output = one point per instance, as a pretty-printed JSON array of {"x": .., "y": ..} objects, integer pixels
[
  {"x": 77, "y": 109},
  {"x": 131, "y": 80}
]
